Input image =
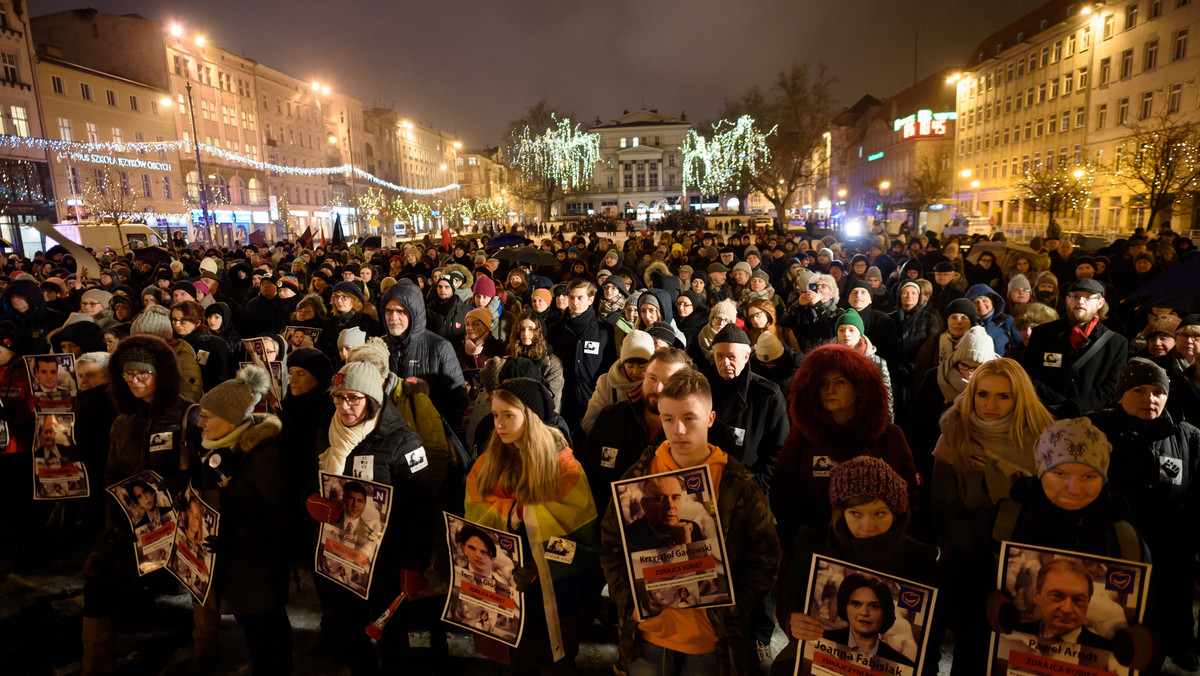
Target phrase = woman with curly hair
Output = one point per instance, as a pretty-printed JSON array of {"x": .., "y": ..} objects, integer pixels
[{"x": 528, "y": 339}]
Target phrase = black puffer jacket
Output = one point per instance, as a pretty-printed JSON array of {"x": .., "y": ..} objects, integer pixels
[
  {"x": 423, "y": 354},
  {"x": 587, "y": 349},
  {"x": 447, "y": 318},
  {"x": 212, "y": 353}
]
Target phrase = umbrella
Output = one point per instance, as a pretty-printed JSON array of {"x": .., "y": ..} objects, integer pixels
[
  {"x": 509, "y": 239},
  {"x": 373, "y": 242},
  {"x": 1175, "y": 288},
  {"x": 527, "y": 255},
  {"x": 152, "y": 255}
]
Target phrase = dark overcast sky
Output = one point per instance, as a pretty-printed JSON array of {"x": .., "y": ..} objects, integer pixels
[{"x": 469, "y": 66}]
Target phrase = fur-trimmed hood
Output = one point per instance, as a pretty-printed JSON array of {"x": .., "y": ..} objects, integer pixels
[
  {"x": 263, "y": 426},
  {"x": 168, "y": 382},
  {"x": 807, "y": 413},
  {"x": 653, "y": 266}
]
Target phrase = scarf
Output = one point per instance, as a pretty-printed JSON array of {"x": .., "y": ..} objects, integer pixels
[
  {"x": 705, "y": 337},
  {"x": 1080, "y": 334},
  {"x": 950, "y": 380},
  {"x": 342, "y": 440},
  {"x": 990, "y": 448},
  {"x": 946, "y": 345},
  {"x": 228, "y": 440}
]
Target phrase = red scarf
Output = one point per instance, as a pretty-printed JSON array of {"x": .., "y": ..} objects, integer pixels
[{"x": 1080, "y": 334}]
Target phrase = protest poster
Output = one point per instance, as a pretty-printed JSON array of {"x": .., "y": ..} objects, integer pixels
[
  {"x": 52, "y": 380},
  {"x": 58, "y": 473},
  {"x": 483, "y": 596},
  {"x": 264, "y": 353},
  {"x": 1071, "y": 605},
  {"x": 347, "y": 549},
  {"x": 296, "y": 337},
  {"x": 190, "y": 560},
  {"x": 874, "y": 624},
  {"x": 147, "y": 505},
  {"x": 3, "y": 433},
  {"x": 673, "y": 543}
]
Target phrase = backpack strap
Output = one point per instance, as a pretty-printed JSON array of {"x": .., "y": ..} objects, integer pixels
[{"x": 1127, "y": 539}]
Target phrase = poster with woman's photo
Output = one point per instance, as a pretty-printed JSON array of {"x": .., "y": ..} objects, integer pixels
[
  {"x": 190, "y": 560},
  {"x": 296, "y": 337},
  {"x": 483, "y": 596},
  {"x": 874, "y": 624},
  {"x": 1071, "y": 605},
  {"x": 58, "y": 473},
  {"x": 674, "y": 546},
  {"x": 347, "y": 548},
  {"x": 147, "y": 505},
  {"x": 53, "y": 381}
]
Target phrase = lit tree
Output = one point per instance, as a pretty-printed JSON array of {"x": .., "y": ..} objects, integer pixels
[
  {"x": 799, "y": 108},
  {"x": 551, "y": 163},
  {"x": 728, "y": 161},
  {"x": 1160, "y": 163},
  {"x": 110, "y": 199},
  {"x": 925, "y": 186},
  {"x": 1060, "y": 189},
  {"x": 380, "y": 205}
]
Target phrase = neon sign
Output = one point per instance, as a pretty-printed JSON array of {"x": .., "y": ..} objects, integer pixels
[{"x": 924, "y": 123}]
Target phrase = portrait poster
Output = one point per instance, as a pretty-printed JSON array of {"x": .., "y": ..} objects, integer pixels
[
  {"x": 52, "y": 381},
  {"x": 1071, "y": 605},
  {"x": 483, "y": 595},
  {"x": 347, "y": 549},
  {"x": 58, "y": 472},
  {"x": 296, "y": 337},
  {"x": 673, "y": 543},
  {"x": 147, "y": 505},
  {"x": 874, "y": 624},
  {"x": 190, "y": 559}
]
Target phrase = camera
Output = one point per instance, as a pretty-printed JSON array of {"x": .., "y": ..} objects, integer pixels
[{"x": 815, "y": 288}]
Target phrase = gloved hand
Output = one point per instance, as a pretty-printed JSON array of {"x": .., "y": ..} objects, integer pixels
[
  {"x": 412, "y": 582},
  {"x": 524, "y": 577},
  {"x": 323, "y": 509},
  {"x": 215, "y": 544}
]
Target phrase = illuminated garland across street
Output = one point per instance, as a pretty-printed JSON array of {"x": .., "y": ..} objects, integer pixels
[{"x": 78, "y": 151}]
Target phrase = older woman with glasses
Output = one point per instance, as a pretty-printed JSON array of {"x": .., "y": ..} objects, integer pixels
[{"x": 212, "y": 352}]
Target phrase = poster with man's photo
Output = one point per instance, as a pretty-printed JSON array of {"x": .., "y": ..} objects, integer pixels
[
  {"x": 190, "y": 559},
  {"x": 147, "y": 505},
  {"x": 874, "y": 624},
  {"x": 52, "y": 380},
  {"x": 296, "y": 337},
  {"x": 58, "y": 472},
  {"x": 483, "y": 595},
  {"x": 673, "y": 543},
  {"x": 1071, "y": 605},
  {"x": 347, "y": 549}
]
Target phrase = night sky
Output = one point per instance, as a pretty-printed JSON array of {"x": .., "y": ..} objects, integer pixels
[{"x": 469, "y": 66}]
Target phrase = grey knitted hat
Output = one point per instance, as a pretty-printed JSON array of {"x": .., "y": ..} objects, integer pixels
[
  {"x": 1072, "y": 440},
  {"x": 154, "y": 320},
  {"x": 352, "y": 337},
  {"x": 234, "y": 400},
  {"x": 359, "y": 376}
]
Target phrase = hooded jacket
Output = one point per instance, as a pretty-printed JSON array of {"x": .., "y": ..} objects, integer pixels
[
  {"x": 423, "y": 354},
  {"x": 998, "y": 325},
  {"x": 801, "y": 495},
  {"x": 33, "y": 324}
]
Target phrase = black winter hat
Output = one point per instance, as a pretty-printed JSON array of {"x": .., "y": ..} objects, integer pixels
[
  {"x": 963, "y": 306},
  {"x": 520, "y": 367},
  {"x": 186, "y": 287},
  {"x": 315, "y": 362},
  {"x": 732, "y": 333},
  {"x": 1137, "y": 372},
  {"x": 532, "y": 393}
]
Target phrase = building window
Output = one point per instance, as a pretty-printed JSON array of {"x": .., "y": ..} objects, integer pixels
[
  {"x": 56, "y": 83},
  {"x": 1032, "y": 63},
  {"x": 1083, "y": 77},
  {"x": 1123, "y": 111},
  {"x": 1107, "y": 32},
  {"x": 1155, "y": 9},
  {"x": 624, "y": 142},
  {"x": 1041, "y": 95},
  {"x": 1105, "y": 70},
  {"x": 1066, "y": 121},
  {"x": 1052, "y": 124},
  {"x": 133, "y": 103},
  {"x": 1054, "y": 89},
  {"x": 1150, "y": 57},
  {"x": 147, "y": 187},
  {"x": 99, "y": 181},
  {"x": 126, "y": 189},
  {"x": 1131, "y": 16},
  {"x": 1147, "y": 108},
  {"x": 117, "y": 137},
  {"x": 177, "y": 62},
  {"x": 76, "y": 183},
  {"x": 1126, "y": 63},
  {"x": 1058, "y": 46},
  {"x": 111, "y": 97},
  {"x": 1029, "y": 97},
  {"x": 1028, "y": 131},
  {"x": 1079, "y": 115},
  {"x": 1175, "y": 98},
  {"x": 9, "y": 61},
  {"x": 93, "y": 133},
  {"x": 636, "y": 141},
  {"x": 670, "y": 159},
  {"x": 1045, "y": 56},
  {"x": 1085, "y": 38},
  {"x": 1068, "y": 83},
  {"x": 1070, "y": 46},
  {"x": 64, "y": 129},
  {"x": 628, "y": 181},
  {"x": 20, "y": 118},
  {"x": 1180, "y": 50},
  {"x": 1037, "y": 128},
  {"x": 1101, "y": 115},
  {"x": 85, "y": 91}
]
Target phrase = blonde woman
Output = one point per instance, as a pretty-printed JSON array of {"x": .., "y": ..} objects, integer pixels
[
  {"x": 527, "y": 482},
  {"x": 987, "y": 443}
]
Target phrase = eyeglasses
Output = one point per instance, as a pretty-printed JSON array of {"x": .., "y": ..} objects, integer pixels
[
  {"x": 1084, "y": 297},
  {"x": 137, "y": 376},
  {"x": 181, "y": 320},
  {"x": 966, "y": 370},
  {"x": 352, "y": 399},
  {"x": 90, "y": 303}
]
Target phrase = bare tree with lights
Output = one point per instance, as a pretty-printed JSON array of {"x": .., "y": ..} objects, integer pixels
[
  {"x": 551, "y": 157},
  {"x": 1059, "y": 189},
  {"x": 924, "y": 187},
  {"x": 1160, "y": 163},
  {"x": 799, "y": 106},
  {"x": 727, "y": 162},
  {"x": 110, "y": 199}
]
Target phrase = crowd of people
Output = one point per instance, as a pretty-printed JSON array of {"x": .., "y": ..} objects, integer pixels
[{"x": 903, "y": 403}]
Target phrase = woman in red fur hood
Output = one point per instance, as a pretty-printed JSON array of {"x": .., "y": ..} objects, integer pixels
[{"x": 838, "y": 407}]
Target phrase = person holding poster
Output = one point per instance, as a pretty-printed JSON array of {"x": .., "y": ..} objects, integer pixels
[
  {"x": 367, "y": 438},
  {"x": 690, "y": 639},
  {"x": 52, "y": 377},
  {"x": 145, "y": 382},
  {"x": 868, "y": 529},
  {"x": 528, "y": 483},
  {"x": 251, "y": 580},
  {"x": 483, "y": 594},
  {"x": 58, "y": 471},
  {"x": 150, "y": 516}
]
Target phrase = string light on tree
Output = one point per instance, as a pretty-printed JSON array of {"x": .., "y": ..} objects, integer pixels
[
  {"x": 563, "y": 154},
  {"x": 1058, "y": 189},
  {"x": 725, "y": 163}
]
